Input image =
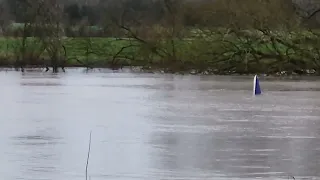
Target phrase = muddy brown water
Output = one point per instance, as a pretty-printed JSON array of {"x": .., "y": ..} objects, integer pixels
[{"x": 153, "y": 126}]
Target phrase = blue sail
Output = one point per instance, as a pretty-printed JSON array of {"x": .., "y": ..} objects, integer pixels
[{"x": 256, "y": 86}]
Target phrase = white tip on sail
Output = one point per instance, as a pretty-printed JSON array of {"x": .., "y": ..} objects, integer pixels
[{"x": 256, "y": 86}]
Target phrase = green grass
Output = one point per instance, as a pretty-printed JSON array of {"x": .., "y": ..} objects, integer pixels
[
  {"x": 196, "y": 53},
  {"x": 101, "y": 49}
]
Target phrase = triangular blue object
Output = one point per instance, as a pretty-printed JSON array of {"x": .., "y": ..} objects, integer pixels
[{"x": 256, "y": 86}]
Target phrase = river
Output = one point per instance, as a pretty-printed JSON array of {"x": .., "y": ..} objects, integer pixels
[{"x": 155, "y": 126}]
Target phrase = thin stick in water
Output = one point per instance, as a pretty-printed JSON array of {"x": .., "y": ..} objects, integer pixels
[{"x": 87, "y": 164}]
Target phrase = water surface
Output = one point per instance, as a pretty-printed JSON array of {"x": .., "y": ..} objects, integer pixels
[{"x": 153, "y": 126}]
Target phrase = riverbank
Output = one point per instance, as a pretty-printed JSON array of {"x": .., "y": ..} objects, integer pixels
[{"x": 186, "y": 56}]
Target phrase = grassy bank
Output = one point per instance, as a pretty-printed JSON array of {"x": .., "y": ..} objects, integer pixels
[
  {"x": 218, "y": 53},
  {"x": 93, "y": 50}
]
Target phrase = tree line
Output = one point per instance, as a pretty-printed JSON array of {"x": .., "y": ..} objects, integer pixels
[
  {"x": 222, "y": 36},
  {"x": 96, "y": 12}
]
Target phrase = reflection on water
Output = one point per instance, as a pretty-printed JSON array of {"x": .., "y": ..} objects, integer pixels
[{"x": 150, "y": 126}]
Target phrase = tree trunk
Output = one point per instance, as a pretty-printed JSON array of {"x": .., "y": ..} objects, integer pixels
[
  {"x": 54, "y": 63},
  {"x": 55, "y": 68}
]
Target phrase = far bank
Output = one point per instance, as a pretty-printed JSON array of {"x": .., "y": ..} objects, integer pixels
[{"x": 185, "y": 56}]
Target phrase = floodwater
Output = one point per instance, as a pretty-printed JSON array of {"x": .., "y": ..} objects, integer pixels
[{"x": 153, "y": 126}]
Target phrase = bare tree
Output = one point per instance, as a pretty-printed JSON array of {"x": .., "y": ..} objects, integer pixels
[
  {"x": 27, "y": 48},
  {"x": 52, "y": 35},
  {"x": 157, "y": 42},
  {"x": 4, "y": 17},
  {"x": 258, "y": 36}
]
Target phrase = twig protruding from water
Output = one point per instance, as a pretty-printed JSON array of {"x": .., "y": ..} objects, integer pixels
[{"x": 87, "y": 164}]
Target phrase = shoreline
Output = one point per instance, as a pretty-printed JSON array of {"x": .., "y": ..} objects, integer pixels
[{"x": 141, "y": 69}]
